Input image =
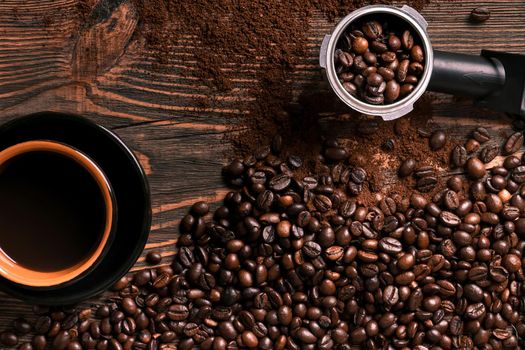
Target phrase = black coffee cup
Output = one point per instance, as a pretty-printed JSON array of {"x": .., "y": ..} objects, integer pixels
[
  {"x": 58, "y": 214},
  {"x": 66, "y": 159}
]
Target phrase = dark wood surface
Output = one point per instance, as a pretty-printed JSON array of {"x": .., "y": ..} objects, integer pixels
[{"x": 51, "y": 60}]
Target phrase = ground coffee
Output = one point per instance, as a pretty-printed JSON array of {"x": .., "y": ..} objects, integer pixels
[{"x": 269, "y": 37}]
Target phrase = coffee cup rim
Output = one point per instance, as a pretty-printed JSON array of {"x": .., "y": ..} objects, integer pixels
[{"x": 32, "y": 278}]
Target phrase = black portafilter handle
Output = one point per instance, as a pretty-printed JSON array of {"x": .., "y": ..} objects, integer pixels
[{"x": 494, "y": 79}]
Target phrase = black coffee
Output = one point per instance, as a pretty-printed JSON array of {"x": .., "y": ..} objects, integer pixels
[{"x": 52, "y": 213}]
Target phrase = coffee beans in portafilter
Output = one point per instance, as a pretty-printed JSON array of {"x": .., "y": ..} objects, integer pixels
[
  {"x": 290, "y": 261},
  {"x": 379, "y": 62}
]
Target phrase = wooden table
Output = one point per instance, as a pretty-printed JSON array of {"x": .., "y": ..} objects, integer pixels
[{"x": 50, "y": 61}]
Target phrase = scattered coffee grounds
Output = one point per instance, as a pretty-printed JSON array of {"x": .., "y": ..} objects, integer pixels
[
  {"x": 379, "y": 60},
  {"x": 266, "y": 38},
  {"x": 381, "y": 147},
  {"x": 293, "y": 261}
]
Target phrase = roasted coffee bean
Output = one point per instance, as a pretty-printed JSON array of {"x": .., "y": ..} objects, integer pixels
[
  {"x": 386, "y": 73},
  {"x": 426, "y": 184},
  {"x": 284, "y": 315},
  {"x": 178, "y": 312},
  {"x": 407, "y": 40},
  {"x": 406, "y": 89},
  {"x": 511, "y": 162},
  {"x": 161, "y": 281},
  {"x": 388, "y": 56},
  {"x": 372, "y": 29},
  {"x": 437, "y": 139},
  {"x": 481, "y": 135},
  {"x": 350, "y": 88},
  {"x": 279, "y": 182},
  {"x": 154, "y": 257},
  {"x": 344, "y": 58},
  {"x": 371, "y": 59},
  {"x": 415, "y": 69},
  {"x": 322, "y": 203},
  {"x": 475, "y": 168},
  {"x": 455, "y": 183},
  {"x": 406, "y": 261},
  {"x": 311, "y": 249},
  {"x": 305, "y": 336},
  {"x": 451, "y": 200},
  {"x": 390, "y": 245},
  {"x": 479, "y": 14},
  {"x": 446, "y": 288},
  {"x": 389, "y": 145},
  {"x": 21, "y": 326},
  {"x": 424, "y": 171},
  {"x": 475, "y": 311},
  {"x": 374, "y": 79},
  {"x": 512, "y": 263},
  {"x": 39, "y": 342},
  {"x": 449, "y": 218},
  {"x": 61, "y": 341},
  {"x": 518, "y": 174},
  {"x": 477, "y": 273},
  {"x": 335, "y": 154},
  {"x": 407, "y": 167},
  {"x": 458, "y": 156},
  {"x": 378, "y": 46},
  {"x": 374, "y": 100},
  {"x": 513, "y": 143},
  {"x": 489, "y": 152},
  {"x": 8, "y": 339},
  {"x": 473, "y": 292},
  {"x": 42, "y": 324},
  {"x": 417, "y": 53},
  {"x": 358, "y": 175},
  {"x": 405, "y": 278},
  {"x": 334, "y": 253},
  {"x": 402, "y": 70},
  {"x": 69, "y": 321},
  {"x": 142, "y": 277},
  {"x": 376, "y": 90},
  {"x": 392, "y": 91},
  {"x": 472, "y": 145},
  {"x": 391, "y": 295}
]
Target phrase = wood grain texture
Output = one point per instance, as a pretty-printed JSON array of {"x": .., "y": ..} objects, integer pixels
[{"x": 51, "y": 59}]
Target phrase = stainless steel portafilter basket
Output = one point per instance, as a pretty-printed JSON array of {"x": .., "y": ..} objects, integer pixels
[{"x": 493, "y": 79}]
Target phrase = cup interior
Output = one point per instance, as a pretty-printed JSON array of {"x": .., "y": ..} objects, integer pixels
[{"x": 28, "y": 276}]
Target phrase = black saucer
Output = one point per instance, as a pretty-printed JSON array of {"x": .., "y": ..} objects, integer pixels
[{"x": 131, "y": 190}]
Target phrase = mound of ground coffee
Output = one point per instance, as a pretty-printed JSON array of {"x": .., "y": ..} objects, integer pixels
[{"x": 270, "y": 37}]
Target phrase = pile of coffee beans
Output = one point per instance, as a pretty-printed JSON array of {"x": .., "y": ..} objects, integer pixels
[
  {"x": 379, "y": 64},
  {"x": 425, "y": 175},
  {"x": 295, "y": 262}
]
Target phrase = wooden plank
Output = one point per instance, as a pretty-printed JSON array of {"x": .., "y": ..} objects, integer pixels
[{"x": 49, "y": 60}]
